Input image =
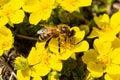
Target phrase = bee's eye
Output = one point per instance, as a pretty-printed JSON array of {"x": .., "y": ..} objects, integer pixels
[
  {"x": 72, "y": 33},
  {"x": 64, "y": 29}
]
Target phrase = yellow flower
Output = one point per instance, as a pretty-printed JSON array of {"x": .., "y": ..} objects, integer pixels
[
  {"x": 6, "y": 41},
  {"x": 70, "y": 46},
  {"x": 102, "y": 59},
  {"x": 11, "y": 12},
  {"x": 108, "y": 28},
  {"x": 40, "y": 62},
  {"x": 40, "y": 9},
  {"x": 73, "y": 5}
]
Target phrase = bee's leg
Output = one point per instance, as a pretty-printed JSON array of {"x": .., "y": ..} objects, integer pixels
[
  {"x": 59, "y": 44},
  {"x": 47, "y": 42}
]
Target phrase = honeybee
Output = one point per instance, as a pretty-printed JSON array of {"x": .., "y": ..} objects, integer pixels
[{"x": 47, "y": 33}]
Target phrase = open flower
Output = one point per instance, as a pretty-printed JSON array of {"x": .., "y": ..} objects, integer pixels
[
  {"x": 6, "y": 39},
  {"x": 39, "y": 63},
  {"x": 108, "y": 28},
  {"x": 66, "y": 48},
  {"x": 11, "y": 12},
  {"x": 73, "y": 5},
  {"x": 39, "y": 9},
  {"x": 102, "y": 59}
]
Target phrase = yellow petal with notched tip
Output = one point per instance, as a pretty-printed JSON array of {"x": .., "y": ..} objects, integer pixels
[
  {"x": 95, "y": 33},
  {"x": 34, "y": 57},
  {"x": 82, "y": 46},
  {"x": 90, "y": 55},
  {"x": 96, "y": 70},
  {"x": 102, "y": 19},
  {"x": 112, "y": 76},
  {"x": 22, "y": 76},
  {"x": 79, "y": 35},
  {"x": 102, "y": 47},
  {"x": 116, "y": 43},
  {"x": 55, "y": 63},
  {"x": 113, "y": 69},
  {"x": 115, "y": 56},
  {"x": 40, "y": 70},
  {"x": 114, "y": 21},
  {"x": 3, "y": 21},
  {"x": 37, "y": 78},
  {"x": 17, "y": 16}
]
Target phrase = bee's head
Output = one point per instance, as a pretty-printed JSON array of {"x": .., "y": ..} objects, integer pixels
[{"x": 71, "y": 33}]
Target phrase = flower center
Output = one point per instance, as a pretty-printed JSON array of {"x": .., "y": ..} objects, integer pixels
[
  {"x": 103, "y": 60},
  {"x": 106, "y": 27}
]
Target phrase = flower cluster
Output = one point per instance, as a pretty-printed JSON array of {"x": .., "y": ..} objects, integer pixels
[
  {"x": 104, "y": 57},
  {"x": 13, "y": 12},
  {"x": 42, "y": 61}
]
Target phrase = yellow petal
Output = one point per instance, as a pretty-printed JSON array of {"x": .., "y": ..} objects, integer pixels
[
  {"x": 37, "y": 78},
  {"x": 3, "y": 20},
  {"x": 40, "y": 70},
  {"x": 79, "y": 35},
  {"x": 115, "y": 19},
  {"x": 113, "y": 69},
  {"x": 2, "y": 2},
  {"x": 83, "y": 3},
  {"x": 35, "y": 17},
  {"x": 40, "y": 46},
  {"x": 16, "y": 4},
  {"x": 55, "y": 63},
  {"x": 7, "y": 39},
  {"x": 108, "y": 36},
  {"x": 90, "y": 55},
  {"x": 116, "y": 43},
  {"x": 22, "y": 76},
  {"x": 115, "y": 56},
  {"x": 53, "y": 45},
  {"x": 73, "y": 56},
  {"x": 31, "y": 5},
  {"x": 102, "y": 19},
  {"x": 17, "y": 16},
  {"x": 112, "y": 77},
  {"x": 65, "y": 55},
  {"x": 95, "y": 33},
  {"x": 33, "y": 57},
  {"x": 95, "y": 69},
  {"x": 82, "y": 46},
  {"x": 102, "y": 47}
]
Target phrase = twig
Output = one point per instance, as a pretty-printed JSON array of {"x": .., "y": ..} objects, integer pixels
[
  {"x": 6, "y": 65},
  {"x": 26, "y": 37},
  {"x": 12, "y": 74}
]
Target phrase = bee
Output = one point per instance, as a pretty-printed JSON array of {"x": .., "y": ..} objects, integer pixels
[{"x": 47, "y": 33}]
